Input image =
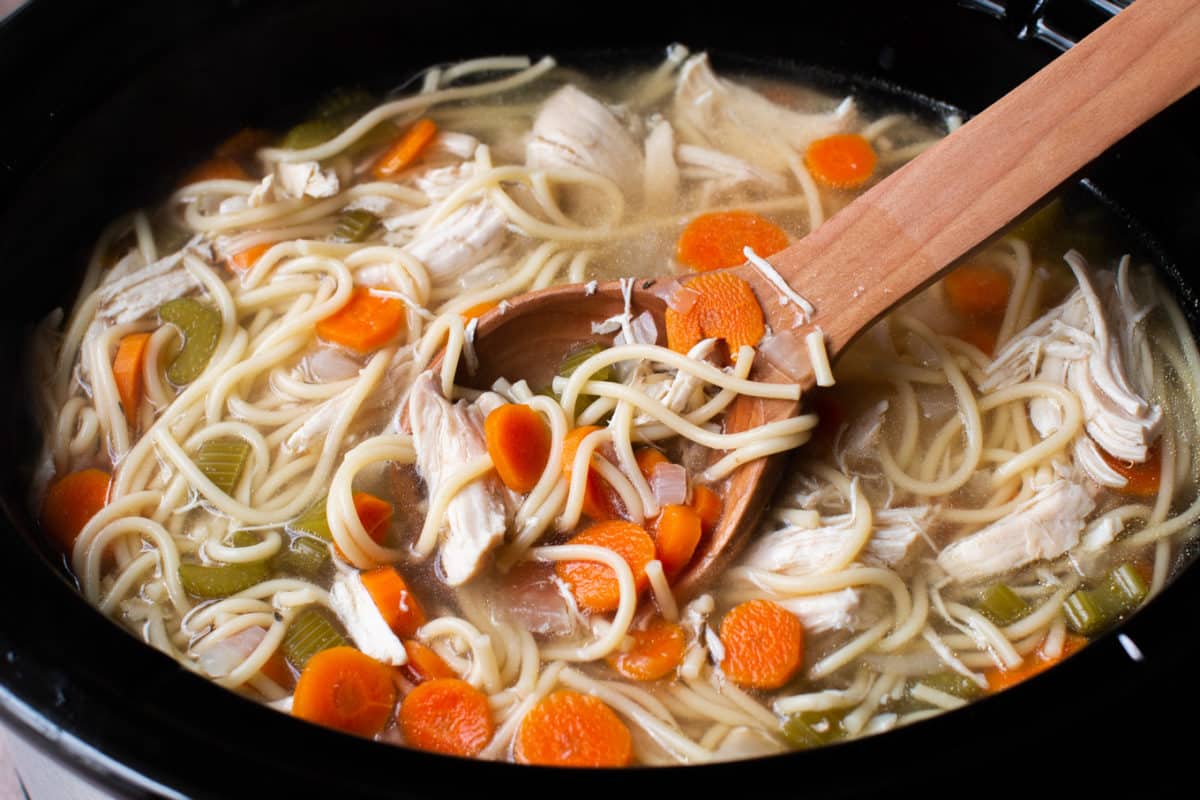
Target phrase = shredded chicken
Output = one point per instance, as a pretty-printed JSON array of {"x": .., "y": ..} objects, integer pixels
[
  {"x": 446, "y": 437},
  {"x": 363, "y": 621},
  {"x": 1044, "y": 526},
  {"x": 464, "y": 239},
  {"x": 1078, "y": 344},
  {"x": 573, "y": 129},
  {"x": 139, "y": 292},
  {"x": 304, "y": 179}
]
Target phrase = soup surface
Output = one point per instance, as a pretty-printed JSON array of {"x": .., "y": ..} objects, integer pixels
[{"x": 251, "y": 465}]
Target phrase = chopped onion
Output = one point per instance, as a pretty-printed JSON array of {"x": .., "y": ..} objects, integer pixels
[
  {"x": 223, "y": 657},
  {"x": 669, "y": 484},
  {"x": 331, "y": 364},
  {"x": 682, "y": 299},
  {"x": 644, "y": 330}
]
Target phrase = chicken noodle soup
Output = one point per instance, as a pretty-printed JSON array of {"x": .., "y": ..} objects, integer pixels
[{"x": 254, "y": 462}]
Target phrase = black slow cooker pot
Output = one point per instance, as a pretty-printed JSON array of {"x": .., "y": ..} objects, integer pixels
[{"x": 104, "y": 104}]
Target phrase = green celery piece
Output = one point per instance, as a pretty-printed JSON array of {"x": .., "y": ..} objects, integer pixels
[
  {"x": 310, "y": 134},
  {"x": 310, "y": 633},
  {"x": 355, "y": 225},
  {"x": 222, "y": 461},
  {"x": 1127, "y": 587},
  {"x": 201, "y": 326},
  {"x": 1086, "y": 614},
  {"x": 314, "y": 521},
  {"x": 575, "y": 358},
  {"x": 223, "y": 580},
  {"x": 344, "y": 104},
  {"x": 302, "y": 556},
  {"x": 1002, "y": 605},
  {"x": 813, "y": 728},
  {"x": 952, "y": 683}
]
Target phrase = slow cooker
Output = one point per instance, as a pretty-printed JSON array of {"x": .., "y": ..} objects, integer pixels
[{"x": 103, "y": 106}]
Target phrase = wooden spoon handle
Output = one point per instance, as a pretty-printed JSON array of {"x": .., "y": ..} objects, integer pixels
[{"x": 902, "y": 232}]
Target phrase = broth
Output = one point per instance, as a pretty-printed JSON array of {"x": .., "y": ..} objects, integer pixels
[{"x": 234, "y": 476}]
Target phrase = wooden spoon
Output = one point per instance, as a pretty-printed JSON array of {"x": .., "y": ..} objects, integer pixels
[{"x": 894, "y": 239}]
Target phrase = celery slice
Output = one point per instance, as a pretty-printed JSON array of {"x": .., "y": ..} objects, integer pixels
[
  {"x": 201, "y": 326},
  {"x": 221, "y": 580},
  {"x": 1085, "y": 613},
  {"x": 1127, "y": 587},
  {"x": 813, "y": 728},
  {"x": 310, "y": 633},
  {"x": 355, "y": 225},
  {"x": 1002, "y": 605},
  {"x": 314, "y": 521},
  {"x": 574, "y": 360},
  {"x": 303, "y": 556},
  {"x": 222, "y": 461},
  {"x": 952, "y": 683},
  {"x": 310, "y": 134}
]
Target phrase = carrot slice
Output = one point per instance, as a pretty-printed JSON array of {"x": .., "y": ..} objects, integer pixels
[
  {"x": 399, "y": 607},
  {"x": 595, "y": 585},
  {"x": 277, "y": 669},
  {"x": 127, "y": 372},
  {"x": 374, "y": 513},
  {"x": 367, "y": 322},
  {"x": 71, "y": 501},
  {"x": 999, "y": 679},
  {"x": 841, "y": 161},
  {"x": 764, "y": 644},
  {"x": 725, "y": 308},
  {"x": 1141, "y": 479},
  {"x": 677, "y": 531},
  {"x": 405, "y": 149},
  {"x": 216, "y": 169},
  {"x": 479, "y": 309},
  {"x": 600, "y": 500},
  {"x": 716, "y": 240},
  {"x": 982, "y": 336},
  {"x": 345, "y": 689},
  {"x": 518, "y": 440},
  {"x": 243, "y": 260},
  {"x": 570, "y": 729},
  {"x": 424, "y": 664},
  {"x": 978, "y": 290},
  {"x": 707, "y": 504},
  {"x": 657, "y": 651},
  {"x": 648, "y": 458},
  {"x": 447, "y": 715}
]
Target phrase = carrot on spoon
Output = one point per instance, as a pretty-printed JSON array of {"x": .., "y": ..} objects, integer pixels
[
  {"x": 677, "y": 531},
  {"x": 725, "y": 308},
  {"x": 600, "y": 500}
]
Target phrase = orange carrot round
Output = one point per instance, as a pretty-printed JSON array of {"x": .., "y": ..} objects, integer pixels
[
  {"x": 479, "y": 309},
  {"x": 367, "y": 322},
  {"x": 424, "y": 664},
  {"x": 657, "y": 650},
  {"x": 764, "y": 644},
  {"x": 1141, "y": 479},
  {"x": 127, "y": 372},
  {"x": 447, "y": 715},
  {"x": 707, "y": 504},
  {"x": 243, "y": 260},
  {"x": 518, "y": 440},
  {"x": 600, "y": 500},
  {"x": 374, "y": 514},
  {"x": 717, "y": 240},
  {"x": 977, "y": 290},
  {"x": 570, "y": 729},
  {"x": 677, "y": 531},
  {"x": 725, "y": 308},
  {"x": 405, "y": 149},
  {"x": 841, "y": 161},
  {"x": 71, "y": 501},
  {"x": 398, "y": 606},
  {"x": 595, "y": 585},
  {"x": 345, "y": 689}
]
